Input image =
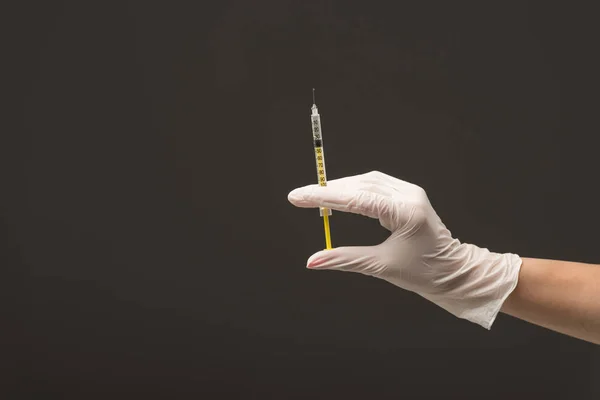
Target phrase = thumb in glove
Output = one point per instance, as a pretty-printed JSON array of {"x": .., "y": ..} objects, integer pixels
[{"x": 361, "y": 259}]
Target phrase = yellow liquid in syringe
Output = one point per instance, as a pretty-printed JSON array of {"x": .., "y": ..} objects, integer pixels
[{"x": 325, "y": 212}]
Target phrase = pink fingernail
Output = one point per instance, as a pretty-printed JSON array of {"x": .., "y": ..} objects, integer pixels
[{"x": 315, "y": 263}]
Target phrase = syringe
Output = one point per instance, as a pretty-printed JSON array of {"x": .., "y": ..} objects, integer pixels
[{"x": 320, "y": 162}]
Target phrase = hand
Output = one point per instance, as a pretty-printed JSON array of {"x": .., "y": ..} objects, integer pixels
[{"x": 420, "y": 254}]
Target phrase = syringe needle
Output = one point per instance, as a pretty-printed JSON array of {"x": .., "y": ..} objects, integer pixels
[{"x": 314, "y": 102}]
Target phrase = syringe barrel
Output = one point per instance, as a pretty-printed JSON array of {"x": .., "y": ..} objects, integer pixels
[{"x": 319, "y": 153}]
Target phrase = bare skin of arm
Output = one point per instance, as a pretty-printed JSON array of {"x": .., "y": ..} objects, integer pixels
[{"x": 558, "y": 295}]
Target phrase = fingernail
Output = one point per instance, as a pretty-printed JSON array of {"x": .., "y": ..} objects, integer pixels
[{"x": 315, "y": 263}]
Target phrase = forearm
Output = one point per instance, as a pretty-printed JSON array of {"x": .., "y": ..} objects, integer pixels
[{"x": 562, "y": 296}]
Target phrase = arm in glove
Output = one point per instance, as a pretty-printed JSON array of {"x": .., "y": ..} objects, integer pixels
[{"x": 421, "y": 255}]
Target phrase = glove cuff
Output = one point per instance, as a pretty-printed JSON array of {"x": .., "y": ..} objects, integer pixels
[{"x": 492, "y": 278}]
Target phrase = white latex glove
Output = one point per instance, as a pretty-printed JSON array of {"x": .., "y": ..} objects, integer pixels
[{"x": 420, "y": 255}]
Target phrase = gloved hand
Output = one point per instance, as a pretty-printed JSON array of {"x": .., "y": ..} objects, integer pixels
[{"x": 420, "y": 255}]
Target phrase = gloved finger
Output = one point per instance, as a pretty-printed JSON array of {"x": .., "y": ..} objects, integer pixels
[
  {"x": 378, "y": 180},
  {"x": 345, "y": 199},
  {"x": 361, "y": 259},
  {"x": 348, "y": 183}
]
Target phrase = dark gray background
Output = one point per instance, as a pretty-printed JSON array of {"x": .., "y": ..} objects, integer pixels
[{"x": 147, "y": 243}]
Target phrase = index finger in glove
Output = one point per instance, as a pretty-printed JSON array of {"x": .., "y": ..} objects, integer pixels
[{"x": 341, "y": 197}]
